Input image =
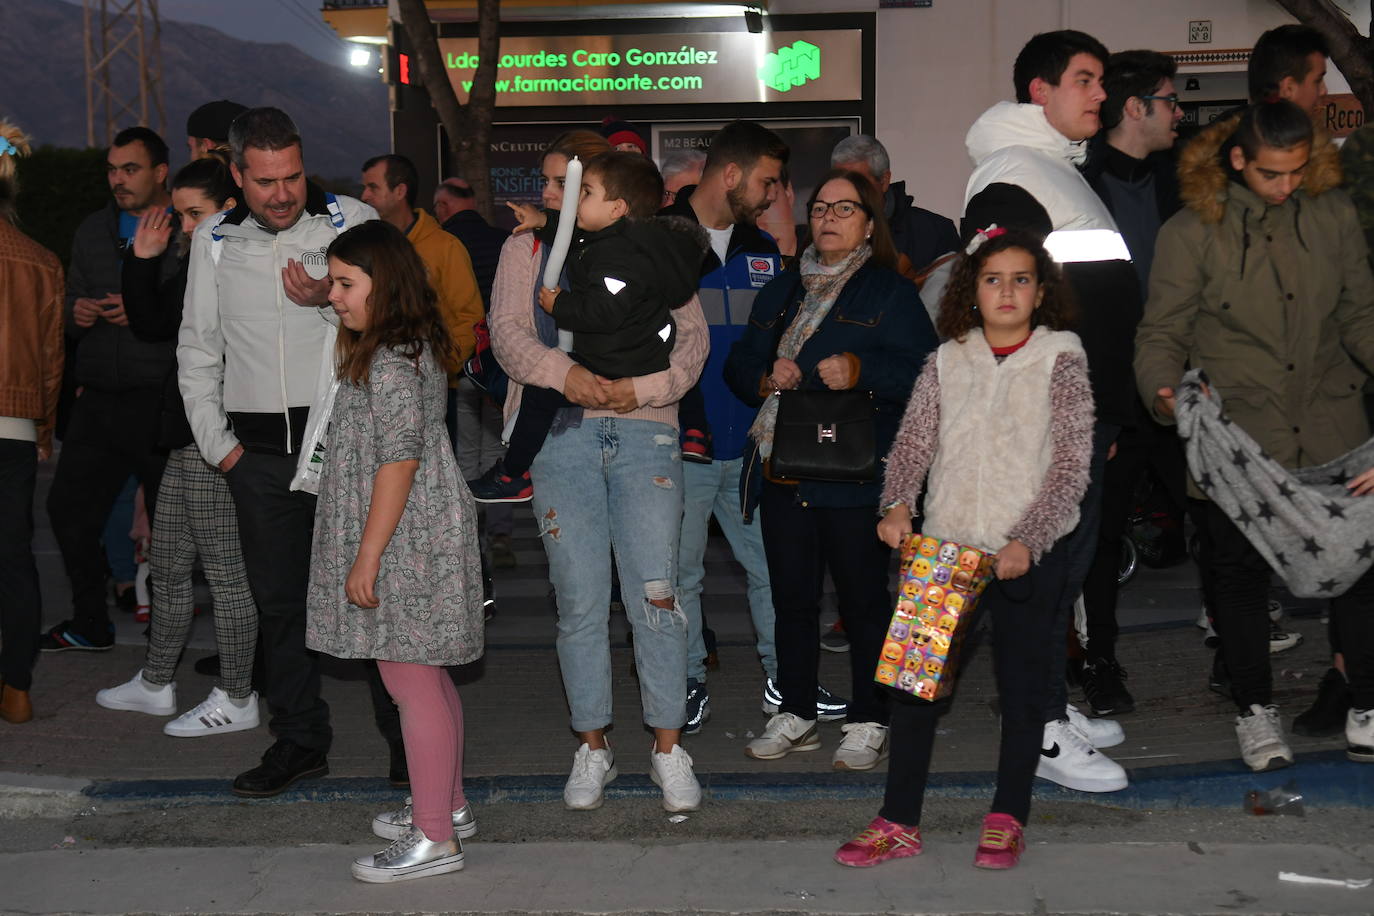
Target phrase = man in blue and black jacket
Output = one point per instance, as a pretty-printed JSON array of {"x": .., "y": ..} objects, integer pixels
[{"x": 740, "y": 180}]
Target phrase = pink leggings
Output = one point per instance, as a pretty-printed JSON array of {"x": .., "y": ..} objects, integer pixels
[{"x": 432, "y": 726}]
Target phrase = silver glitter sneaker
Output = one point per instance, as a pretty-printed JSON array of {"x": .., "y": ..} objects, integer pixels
[
  {"x": 413, "y": 855},
  {"x": 390, "y": 825}
]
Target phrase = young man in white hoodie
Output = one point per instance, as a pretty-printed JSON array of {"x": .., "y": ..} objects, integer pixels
[
  {"x": 254, "y": 331},
  {"x": 1026, "y": 156}
]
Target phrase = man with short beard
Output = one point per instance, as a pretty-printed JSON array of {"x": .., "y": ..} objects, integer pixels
[
  {"x": 254, "y": 333},
  {"x": 113, "y": 429},
  {"x": 740, "y": 180}
]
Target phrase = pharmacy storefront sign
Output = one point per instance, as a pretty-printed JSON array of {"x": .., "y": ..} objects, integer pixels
[{"x": 695, "y": 68}]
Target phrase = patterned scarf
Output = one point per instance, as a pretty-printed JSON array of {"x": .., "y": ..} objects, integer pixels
[
  {"x": 823, "y": 283},
  {"x": 1314, "y": 533}
]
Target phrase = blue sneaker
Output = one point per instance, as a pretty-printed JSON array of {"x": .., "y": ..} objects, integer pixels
[
  {"x": 829, "y": 707},
  {"x": 495, "y": 486},
  {"x": 698, "y": 707}
]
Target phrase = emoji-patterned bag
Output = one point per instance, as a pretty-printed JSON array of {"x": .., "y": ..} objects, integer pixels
[{"x": 941, "y": 582}]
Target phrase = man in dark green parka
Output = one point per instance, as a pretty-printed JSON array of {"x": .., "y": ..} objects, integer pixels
[{"x": 1262, "y": 281}]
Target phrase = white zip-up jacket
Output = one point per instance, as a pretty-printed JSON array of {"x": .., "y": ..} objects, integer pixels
[
  {"x": 244, "y": 347},
  {"x": 1026, "y": 175},
  {"x": 1013, "y": 143}
]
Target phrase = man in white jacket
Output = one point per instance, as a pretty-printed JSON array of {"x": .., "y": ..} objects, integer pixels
[
  {"x": 1026, "y": 156},
  {"x": 253, "y": 334}
]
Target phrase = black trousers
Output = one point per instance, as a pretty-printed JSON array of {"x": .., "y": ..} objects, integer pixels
[
  {"x": 111, "y": 435},
  {"x": 1024, "y": 635},
  {"x": 1147, "y": 445},
  {"x": 1239, "y": 604},
  {"x": 21, "y": 609},
  {"x": 276, "y": 525},
  {"x": 538, "y": 408},
  {"x": 800, "y": 544},
  {"x": 1079, "y": 547},
  {"x": 1240, "y": 613}
]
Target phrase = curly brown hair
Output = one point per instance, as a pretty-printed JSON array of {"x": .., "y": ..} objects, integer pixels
[
  {"x": 403, "y": 309},
  {"x": 959, "y": 313}
]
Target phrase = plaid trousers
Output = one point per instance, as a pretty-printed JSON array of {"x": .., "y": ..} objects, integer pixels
[{"x": 195, "y": 515}]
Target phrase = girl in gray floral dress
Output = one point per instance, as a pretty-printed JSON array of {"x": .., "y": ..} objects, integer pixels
[{"x": 395, "y": 573}]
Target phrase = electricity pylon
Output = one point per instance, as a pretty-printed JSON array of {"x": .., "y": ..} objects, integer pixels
[{"x": 127, "y": 32}]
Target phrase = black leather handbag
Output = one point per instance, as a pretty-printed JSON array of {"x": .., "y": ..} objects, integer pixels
[{"x": 824, "y": 435}]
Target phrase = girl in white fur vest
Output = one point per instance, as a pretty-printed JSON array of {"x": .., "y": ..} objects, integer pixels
[{"x": 1001, "y": 418}]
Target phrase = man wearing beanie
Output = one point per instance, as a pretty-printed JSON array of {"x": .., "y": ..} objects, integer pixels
[{"x": 208, "y": 126}]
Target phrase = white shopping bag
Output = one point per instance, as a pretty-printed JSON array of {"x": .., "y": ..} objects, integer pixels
[{"x": 310, "y": 463}]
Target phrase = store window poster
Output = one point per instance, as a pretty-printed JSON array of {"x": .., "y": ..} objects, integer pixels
[{"x": 516, "y": 157}]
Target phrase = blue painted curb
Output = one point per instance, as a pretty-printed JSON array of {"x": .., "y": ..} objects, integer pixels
[{"x": 1325, "y": 778}]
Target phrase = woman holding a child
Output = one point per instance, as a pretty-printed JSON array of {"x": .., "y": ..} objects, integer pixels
[{"x": 607, "y": 475}]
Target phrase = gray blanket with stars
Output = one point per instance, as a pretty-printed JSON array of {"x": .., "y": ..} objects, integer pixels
[{"x": 1316, "y": 535}]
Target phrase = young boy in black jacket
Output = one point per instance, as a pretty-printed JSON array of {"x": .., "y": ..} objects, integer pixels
[{"x": 627, "y": 272}]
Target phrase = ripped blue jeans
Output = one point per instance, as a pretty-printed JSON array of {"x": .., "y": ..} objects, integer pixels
[{"x": 614, "y": 483}]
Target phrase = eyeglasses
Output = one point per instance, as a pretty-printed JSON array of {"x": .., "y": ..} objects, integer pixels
[
  {"x": 844, "y": 209},
  {"x": 1172, "y": 99}
]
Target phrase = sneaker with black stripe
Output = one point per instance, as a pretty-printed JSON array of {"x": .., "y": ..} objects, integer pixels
[
  {"x": 66, "y": 638},
  {"x": 829, "y": 707},
  {"x": 217, "y": 714},
  {"x": 784, "y": 734}
]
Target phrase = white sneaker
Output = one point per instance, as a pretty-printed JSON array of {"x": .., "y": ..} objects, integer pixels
[
  {"x": 864, "y": 746},
  {"x": 1281, "y": 639},
  {"x": 591, "y": 771},
  {"x": 137, "y": 695},
  {"x": 217, "y": 714},
  {"x": 1067, "y": 757},
  {"x": 1099, "y": 732},
  {"x": 673, "y": 774},
  {"x": 413, "y": 855},
  {"x": 785, "y": 732},
  {"x": 1261, "y": 739},
  {"x": 392, "y": 825},
  {"x": 1359, "y": 735}
]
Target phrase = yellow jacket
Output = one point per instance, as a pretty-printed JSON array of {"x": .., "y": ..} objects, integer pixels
[{"x": 450, "y": 273}]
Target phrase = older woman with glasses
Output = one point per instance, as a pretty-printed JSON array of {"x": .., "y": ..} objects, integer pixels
[{"x": 842, "y": 319}]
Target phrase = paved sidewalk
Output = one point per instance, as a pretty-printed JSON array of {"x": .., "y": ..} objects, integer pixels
[
  {"x": 516, "y": 717},
  {"x": 782, "y": 877}
]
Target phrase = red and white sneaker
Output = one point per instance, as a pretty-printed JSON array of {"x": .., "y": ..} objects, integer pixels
[
  {"x": 880, "y": 841},
  {"x": 1001, "y": 842}
]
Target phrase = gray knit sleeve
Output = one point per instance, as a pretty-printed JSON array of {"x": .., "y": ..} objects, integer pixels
[
  {"x": 913, "y": 450},
  {"x": 1047, "y": 517}
]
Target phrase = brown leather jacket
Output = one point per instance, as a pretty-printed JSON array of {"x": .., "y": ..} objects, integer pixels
[{"x": 31, "y": 292}]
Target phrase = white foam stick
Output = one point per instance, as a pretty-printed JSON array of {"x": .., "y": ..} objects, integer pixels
[
  {"x": 567, "y": 220},
  {"x": 1354, "y": 884},
  {"x": 562, "y": 239}
]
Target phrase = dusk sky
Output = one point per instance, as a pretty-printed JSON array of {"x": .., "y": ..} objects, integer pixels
[{"x": 295, "y": 22}]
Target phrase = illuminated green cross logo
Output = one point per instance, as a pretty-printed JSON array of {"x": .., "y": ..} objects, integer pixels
[{"x": 794, "y": 65}]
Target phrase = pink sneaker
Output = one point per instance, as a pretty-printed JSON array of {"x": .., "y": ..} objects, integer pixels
[
  {"x": 880, "y": 841},
  {"x": 1001, "y": 842}
]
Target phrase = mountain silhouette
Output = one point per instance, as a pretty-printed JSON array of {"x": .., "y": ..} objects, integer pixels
[{"x": 342, "y": 114}]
